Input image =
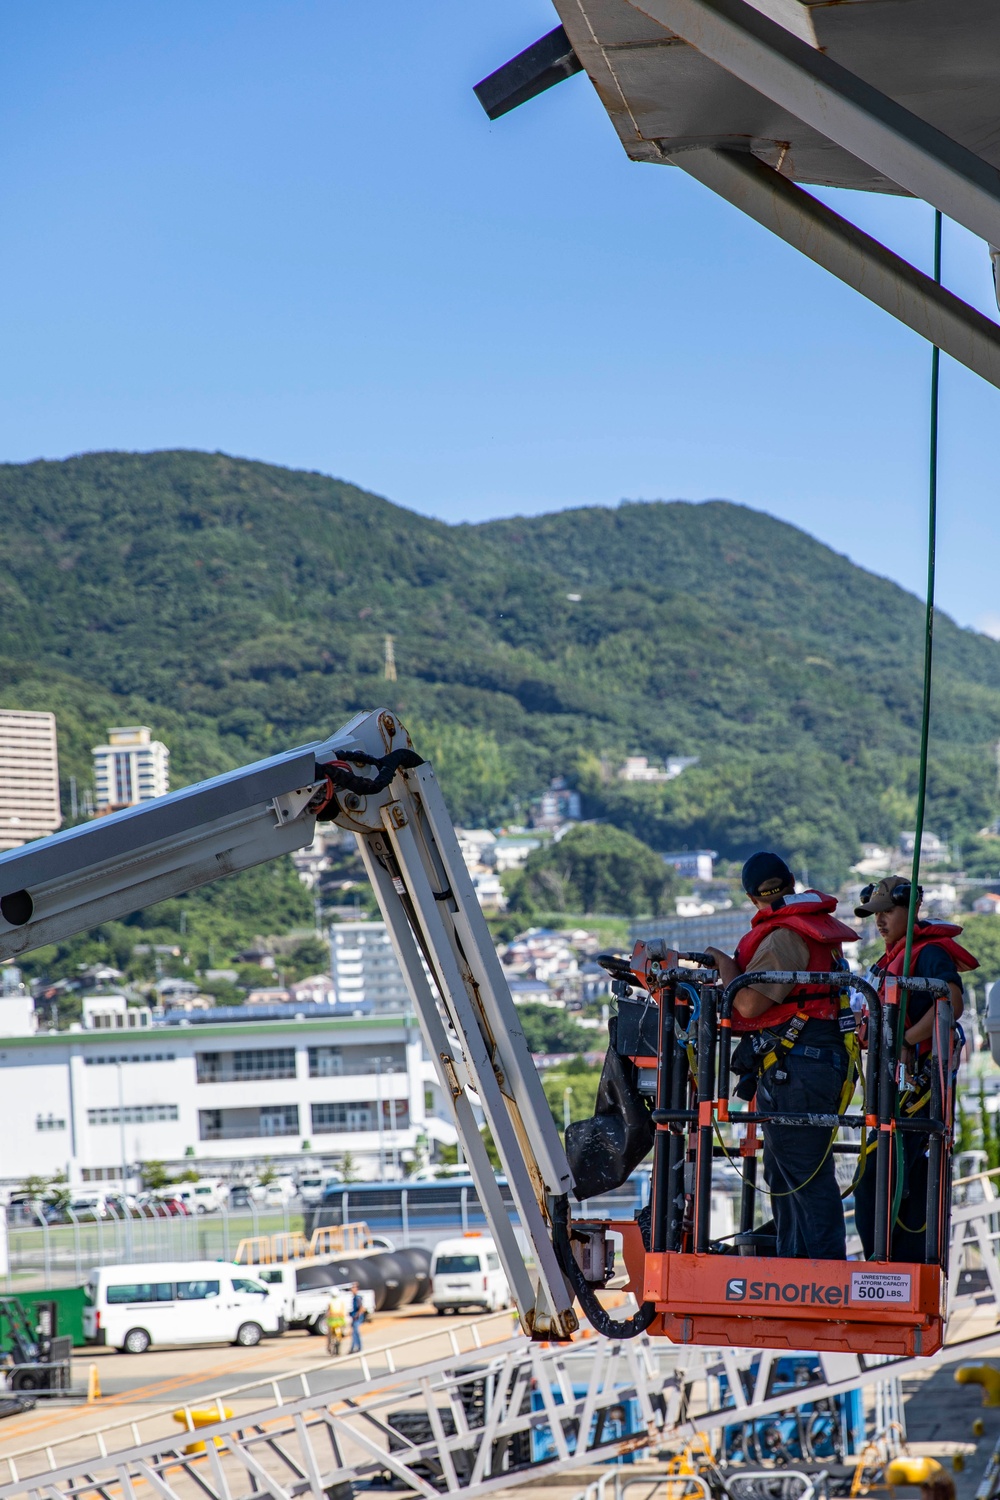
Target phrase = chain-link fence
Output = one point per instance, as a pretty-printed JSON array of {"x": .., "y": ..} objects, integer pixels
[{"x": 61, "y": 1254}]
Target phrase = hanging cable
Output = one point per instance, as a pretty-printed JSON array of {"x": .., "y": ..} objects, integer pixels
[
  {"x": 925, "y": 716},
  {"x": 911, "y": 915}
]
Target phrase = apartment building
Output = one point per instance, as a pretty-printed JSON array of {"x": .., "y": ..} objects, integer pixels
[
  {"x": 132, "y": 767},
  {"x": 365, "y": 968},
  {"x": 29, "y": 777}
]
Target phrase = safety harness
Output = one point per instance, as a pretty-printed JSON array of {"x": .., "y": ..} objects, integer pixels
[{"x": 770, "y": 1048}]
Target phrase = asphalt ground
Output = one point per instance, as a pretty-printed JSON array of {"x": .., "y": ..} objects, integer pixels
[{"x": 133, "y": 1387}]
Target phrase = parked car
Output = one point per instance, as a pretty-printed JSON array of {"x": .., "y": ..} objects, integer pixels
[
  {"x": 174, "y": 1208},
  {"x": 239, "y": 1195},
  {"x": 311, "y": 1188},
  {"x": 276, "y": 1194},
  {"x": 89, "y": 1206},
  {"x": 178, "y": 1302},
  {"x": 466, "y": 1272},
  {"x": 202, "y": 1197}
]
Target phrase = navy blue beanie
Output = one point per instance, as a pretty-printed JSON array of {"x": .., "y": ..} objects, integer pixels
[{"x": 770, "y": 870}]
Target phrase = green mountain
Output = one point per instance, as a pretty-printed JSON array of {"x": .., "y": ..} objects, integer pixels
[{"x": 240, "y": 608}]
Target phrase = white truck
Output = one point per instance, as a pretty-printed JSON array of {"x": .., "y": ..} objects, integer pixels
[{"x": 303, "y": 1303}]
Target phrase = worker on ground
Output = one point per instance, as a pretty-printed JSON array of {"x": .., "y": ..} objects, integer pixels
[
  {"x": 357, "y": 1314},
  {"x": 934, "y": 955},
  {"x": 793, "y": 1052},
  {"x": 336, "y": 1322}
]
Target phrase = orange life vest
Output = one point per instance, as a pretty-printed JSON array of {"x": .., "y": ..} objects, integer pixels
[{"x": 809, "y": 914}]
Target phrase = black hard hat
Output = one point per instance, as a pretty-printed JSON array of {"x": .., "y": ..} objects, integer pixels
[{"x": 766, "y": 875}]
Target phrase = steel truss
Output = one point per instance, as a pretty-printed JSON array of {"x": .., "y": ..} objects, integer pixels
[
  {"x": 771, "y": 48},
  {"x": 481, "y": 1420},
  {"x": 513, "y": 1413}
]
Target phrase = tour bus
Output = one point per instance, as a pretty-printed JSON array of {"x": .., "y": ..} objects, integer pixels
[
  {"x": 466, "y": 1273},
  {"x": 178, "y": 1302}
]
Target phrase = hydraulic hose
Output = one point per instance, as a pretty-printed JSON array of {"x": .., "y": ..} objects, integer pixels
[
  {"x": 598, "y": 1318},
  {"x": 344, "y": 779}
]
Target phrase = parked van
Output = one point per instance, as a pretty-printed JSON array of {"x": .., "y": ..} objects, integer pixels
[
  {"x": 206, "y": 1196},
  {"x": 466, "y": 1273},
  {"x": 178, "y": 1302}
]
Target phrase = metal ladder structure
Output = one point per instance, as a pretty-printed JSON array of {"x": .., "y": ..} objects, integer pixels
[
  {"x": 512, "y": 1414},
  {"x": 471, "y": 1423}
]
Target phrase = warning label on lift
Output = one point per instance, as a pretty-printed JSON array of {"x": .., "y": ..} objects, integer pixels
[{"x": 879, "y": 1286}]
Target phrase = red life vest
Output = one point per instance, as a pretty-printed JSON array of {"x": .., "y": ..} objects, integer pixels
[
  {"x": 809, "y": 915},
  {"x": 925, "y": 934},
  {"x": 941, "y": 934}
]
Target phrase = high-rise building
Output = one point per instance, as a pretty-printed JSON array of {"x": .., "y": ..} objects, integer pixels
[
  {"x": 132, "y": 767},
  {"x": 29, "y": 777},
  {"x": 366, "y": 969}
]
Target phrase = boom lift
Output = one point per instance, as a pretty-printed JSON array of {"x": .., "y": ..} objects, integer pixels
[{"x": 367, "y": 778}]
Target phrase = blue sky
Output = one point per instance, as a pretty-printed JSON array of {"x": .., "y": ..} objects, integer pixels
[{"x": 285, "y": 229}]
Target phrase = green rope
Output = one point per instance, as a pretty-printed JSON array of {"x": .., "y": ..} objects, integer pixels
[
  {"x": 928, "y": 624},
  {"x": 925, "y": 717}
]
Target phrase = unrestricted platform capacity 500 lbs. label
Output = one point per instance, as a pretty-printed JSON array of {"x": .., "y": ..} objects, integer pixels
[{"x": 879, "y": 1286}]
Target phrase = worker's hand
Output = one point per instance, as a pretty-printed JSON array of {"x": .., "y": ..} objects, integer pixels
[
  {"x": 906, "y": 1056},
  {"x": 725, "y": 965}
]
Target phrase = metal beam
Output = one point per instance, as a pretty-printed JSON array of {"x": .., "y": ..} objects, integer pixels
[
  {"x": 855, "y": 257},
  {"x": 539, "y": 67},
  {"x": 847, "y": 110}
]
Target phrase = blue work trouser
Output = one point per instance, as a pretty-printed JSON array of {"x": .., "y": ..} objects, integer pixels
[
  {"x": 798, "y": 1162},
  {"x": 355, "y": 1335},
  {"x": 910, "y": 1228}
]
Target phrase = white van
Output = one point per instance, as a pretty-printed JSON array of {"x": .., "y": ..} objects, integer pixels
[
  {"x": 178, "y": 1302},
  {"x": 467, "y": 1273}
]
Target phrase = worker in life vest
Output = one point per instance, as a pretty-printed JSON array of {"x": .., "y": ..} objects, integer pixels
[
  {"x": 935, "y": 955},
  {"x": 793, "y": 1053}
]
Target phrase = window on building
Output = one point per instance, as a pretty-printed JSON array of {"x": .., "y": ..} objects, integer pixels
[
  {"x": 334, "y": 1062},
  {"x": 132, "y": 1114},
  {"x": 123, "y": 779},
  {"x": 328, "y": 1119},
  {"x": 49, "y": 1122},
  {"x": 107, "y": 1059},
  {"x": 246, "y": 1124},
  {"x": 240, "y": 1066}
]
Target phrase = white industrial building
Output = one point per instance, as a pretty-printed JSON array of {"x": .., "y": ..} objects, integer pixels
[
  {"x": 29, "y": 777},
  {"x": 201, "y": 1089},
  {"x": 131, "y": 768}
]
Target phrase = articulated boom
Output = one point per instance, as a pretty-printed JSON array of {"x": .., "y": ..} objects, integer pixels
[{"x": 368, "y": 779}]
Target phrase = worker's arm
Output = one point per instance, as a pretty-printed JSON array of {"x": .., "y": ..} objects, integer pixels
[
  {"x": 748, "y": 1002},
  {"x": 924, "y": 1028}
]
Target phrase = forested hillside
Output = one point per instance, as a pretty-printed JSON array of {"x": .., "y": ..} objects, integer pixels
[{"x": 239, "y": 608}]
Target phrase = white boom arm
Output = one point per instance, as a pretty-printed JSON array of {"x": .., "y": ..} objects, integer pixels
[{"x": 365, "y": 778}]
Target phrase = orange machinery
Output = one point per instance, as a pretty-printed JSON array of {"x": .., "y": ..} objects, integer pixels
[{"x": 695, "y": 1290}]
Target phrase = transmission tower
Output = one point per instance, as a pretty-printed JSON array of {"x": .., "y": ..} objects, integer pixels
[{"x": 390, "y": 659}]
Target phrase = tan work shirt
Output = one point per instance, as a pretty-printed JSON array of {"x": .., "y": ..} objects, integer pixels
[{"x": 781, "y": 949}]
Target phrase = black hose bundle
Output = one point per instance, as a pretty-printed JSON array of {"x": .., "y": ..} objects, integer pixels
[
  {"x": 595, "y": 1314},
  {"x": 344, "y": 779}
]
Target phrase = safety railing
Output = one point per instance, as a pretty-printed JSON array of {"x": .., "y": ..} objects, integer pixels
[
  {"x": 695, "y": 1048},
  {"x": 458, "y": 1340},
  {"x": 276, "y": 1249}
]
